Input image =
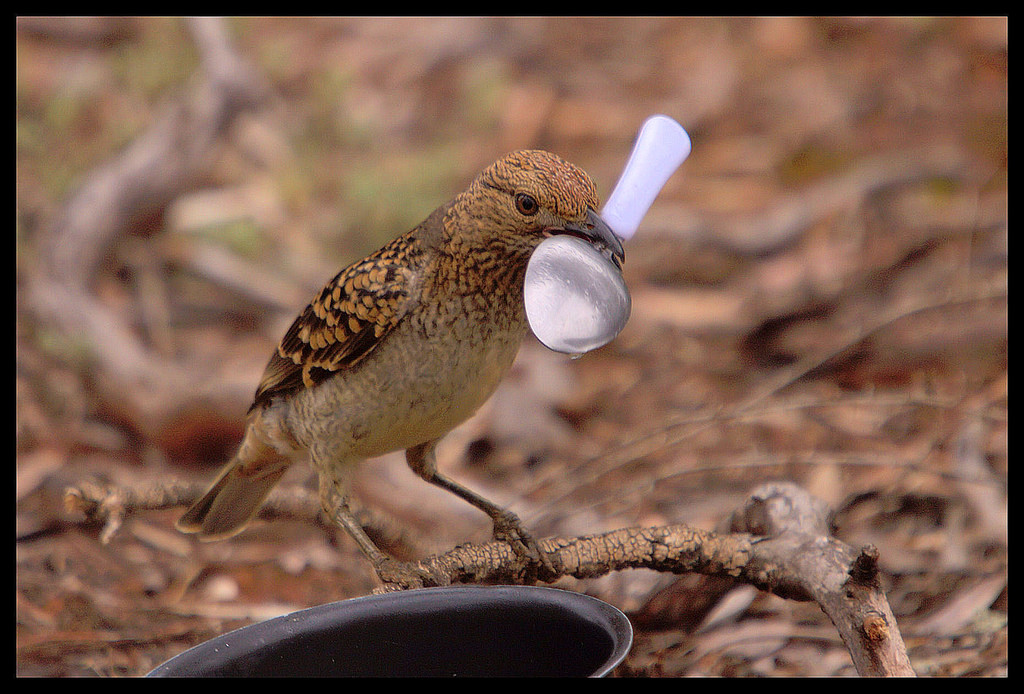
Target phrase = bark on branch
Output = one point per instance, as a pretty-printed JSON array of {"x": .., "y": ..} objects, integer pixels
[{"x": 779, "y": 542}]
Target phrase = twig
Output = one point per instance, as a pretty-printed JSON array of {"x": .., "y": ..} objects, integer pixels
[
  {"x": 845, "y": 582},
  {"x": 779, "y": 543},
  {"x": 111, "y": 504}
]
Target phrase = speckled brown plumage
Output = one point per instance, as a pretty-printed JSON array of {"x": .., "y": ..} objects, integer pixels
[
  {"x": 348, "y": 317},
  {"x": 402, "y": 346}
]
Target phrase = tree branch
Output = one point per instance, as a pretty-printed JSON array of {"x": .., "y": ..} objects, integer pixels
[{"x": 779, "y": 542}]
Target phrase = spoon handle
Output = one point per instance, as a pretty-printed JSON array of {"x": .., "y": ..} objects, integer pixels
[{"x": 661, "y": 146}]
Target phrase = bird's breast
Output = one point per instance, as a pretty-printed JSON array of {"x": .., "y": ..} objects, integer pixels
[{"x": 431, "y": 373}]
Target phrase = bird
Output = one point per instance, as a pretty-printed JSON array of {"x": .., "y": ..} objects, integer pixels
[{"x": 402, "y": 346}]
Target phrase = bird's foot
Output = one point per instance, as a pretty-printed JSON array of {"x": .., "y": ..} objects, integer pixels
[{"x": 508, "y": 528}]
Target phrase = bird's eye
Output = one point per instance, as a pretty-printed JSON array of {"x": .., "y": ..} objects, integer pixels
[{"x": 526, "y": 204}]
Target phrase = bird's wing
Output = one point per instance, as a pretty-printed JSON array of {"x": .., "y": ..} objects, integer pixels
[{"x": 348, "y": 318}]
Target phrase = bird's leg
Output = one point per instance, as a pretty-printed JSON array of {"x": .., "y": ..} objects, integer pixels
[
  {"x": 388, "y": 569},
  {"x": 507, "y": 526}
]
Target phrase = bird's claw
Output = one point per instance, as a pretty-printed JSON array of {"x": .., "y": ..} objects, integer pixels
[{"x": 508, "y": 528}]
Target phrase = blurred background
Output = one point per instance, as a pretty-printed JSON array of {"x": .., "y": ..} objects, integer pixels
[{"x": 819, "y": 295}]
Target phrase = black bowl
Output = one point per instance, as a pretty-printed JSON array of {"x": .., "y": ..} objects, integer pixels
[{"x": 460, "y": 631}]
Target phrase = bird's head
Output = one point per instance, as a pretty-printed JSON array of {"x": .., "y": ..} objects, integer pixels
[{"x": 525, "y": 197}]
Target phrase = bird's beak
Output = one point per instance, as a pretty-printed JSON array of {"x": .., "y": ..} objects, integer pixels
[{"x": 595, "y": 230}]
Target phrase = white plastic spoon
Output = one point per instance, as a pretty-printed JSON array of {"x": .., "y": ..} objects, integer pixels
[{"x": 576, "y": 299}]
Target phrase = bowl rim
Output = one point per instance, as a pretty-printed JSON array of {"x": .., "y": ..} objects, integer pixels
[{"x": 250, "y": 638}]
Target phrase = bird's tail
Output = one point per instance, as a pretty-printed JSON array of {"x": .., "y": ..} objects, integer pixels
[{"x": 226, "y": 508}]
